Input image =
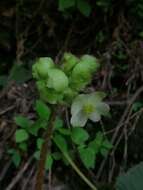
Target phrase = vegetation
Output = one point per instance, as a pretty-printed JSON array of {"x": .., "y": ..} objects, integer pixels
[{"x": 71, "y": 88}]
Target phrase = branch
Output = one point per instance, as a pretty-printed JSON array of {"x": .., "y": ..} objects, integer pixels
[{"x": 44, "y": 151}]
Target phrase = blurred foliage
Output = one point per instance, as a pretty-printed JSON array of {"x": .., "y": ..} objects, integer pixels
[
  {"x": 7, "y": 35},
  {"x": 40, "y": 23},
  {"x": 132, "y": 180}
]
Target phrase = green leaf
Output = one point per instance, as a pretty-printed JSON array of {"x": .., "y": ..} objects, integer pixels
[
  {"x": 99, "y": 137},
  {"x": 65, "y": 161},
  {"x": 132, "y": 180},
  {"x": 49, "y": 162},
  {"x": 104, "y": 152},
  {"x": 64, "y": 131},
  {"x": 43, "y": 110},
  {"x": 96, "y": 144},
  {"x": 88, "y": 157},
  {"x": 56, "y": 155},
  {"x": 19, "y": 74},
  {"x": 23, "y": 146},
  {"x": 137, "y": 106},
  {"x": 58, "y": 123},
  {"x": 60, "y": 142},
  {"x": 21, "y": 135},
  {"x": 22, "y": 122},
  {"x": 93, "y": 144},
  {"x": 100, "y": 144},
  {"x": 84, "y": 7},
  {"x": 39, "y": 124},
  {"x": 37, "y": 155},
  {"x": 79, "y": 135},
  {"x": 65, "y": 4},
  {"x": 39, "y": 143},
  {"x": 16, "y": 158},
  {"x": 107, "y": 144}
]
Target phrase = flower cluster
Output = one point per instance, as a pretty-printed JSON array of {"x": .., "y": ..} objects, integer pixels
[
  {"x": 62, "y": 84},
  {"x": 51, "y": 81}
]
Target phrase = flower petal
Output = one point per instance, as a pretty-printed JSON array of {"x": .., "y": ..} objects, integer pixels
[
  {"x": 95, "y": 116},
  {"x": 103, "y": 108},
  {"x": 95, "y": 97},
  {"x": 79, "y": 119},
  {"x": 77, "y": 104}
]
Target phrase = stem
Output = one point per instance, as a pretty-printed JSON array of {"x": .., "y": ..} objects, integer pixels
[
  {"x": 74, "y": 166},
  {"x": 44, "y": 151},
  {"x": 43, "y": 155},
  {"x": 83, "y": 177}
]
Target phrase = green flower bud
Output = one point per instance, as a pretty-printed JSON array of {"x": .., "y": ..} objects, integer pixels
[
  {"x": 79, "y": 84},
  {"x": 85, "y": 67},
  {"x": 92, "y": 61},
  {"x": 69, "y": 94},
  {"x": 69, "y": 61},
  {"x": 57, "y": 80},
  {"x": 41, "y": 67},
  {"x": 48, "y": 95},
  {"x": 82, "y": 72}
]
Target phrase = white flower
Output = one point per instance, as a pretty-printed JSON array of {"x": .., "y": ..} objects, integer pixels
[{"x": 88, "y": 106}]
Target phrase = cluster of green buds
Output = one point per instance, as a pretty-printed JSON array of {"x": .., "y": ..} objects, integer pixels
[
  {"x": 62, "y": 84},
  {"x": 79, "y": 71}
]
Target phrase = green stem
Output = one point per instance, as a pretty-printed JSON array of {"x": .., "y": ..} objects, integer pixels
[
  {"x": 44, "y": 151},
  {"x": 74, "y": 166}
]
